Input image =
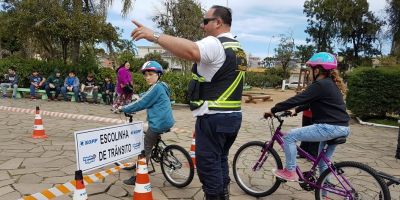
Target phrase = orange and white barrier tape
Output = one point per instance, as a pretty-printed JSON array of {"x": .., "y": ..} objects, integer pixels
[
  {"x": 68, "y": 187},
  {"x": 76, "y": 116},
  {"x": 64, "y": 115}
]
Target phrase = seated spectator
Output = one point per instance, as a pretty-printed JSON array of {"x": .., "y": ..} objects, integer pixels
[
  {"x": 89, "y": 87},
  {"x": 107, "y": 91},
  {"x": 10, "y": 80},
  {"x": 54, "y": 83},
  {"x": 37, "y": 82},
  {"x": 71, "y": 84}
]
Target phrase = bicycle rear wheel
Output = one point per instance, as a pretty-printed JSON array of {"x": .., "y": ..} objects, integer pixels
[
  {"x": 355, "y": 181},
  {"x": 177, "y": 166},
  {"x": 257, "y": 183}
]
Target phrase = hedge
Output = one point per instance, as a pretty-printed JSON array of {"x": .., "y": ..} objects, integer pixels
[
  {"x": 25, "y": 67},
  {"x": 374, "y": 92}
]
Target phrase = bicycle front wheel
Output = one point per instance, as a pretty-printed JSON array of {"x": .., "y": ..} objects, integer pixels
[
  {"x": 354, "y": 181},
  {"x": 260, "y": 182},
  {"x": 177, "y": 166}
]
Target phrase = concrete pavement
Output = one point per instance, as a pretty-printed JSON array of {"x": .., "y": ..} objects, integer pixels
[{"x": 30, "y": 165}]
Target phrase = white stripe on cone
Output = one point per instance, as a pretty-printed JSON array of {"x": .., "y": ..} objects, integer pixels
[
  {"x": 38, "y": 127},
  {"x": 142, "y": 188},
  {"x": 142, "y": 169}
]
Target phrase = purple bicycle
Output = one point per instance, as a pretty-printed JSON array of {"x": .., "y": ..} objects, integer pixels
[{"x": 348, "y": 180}]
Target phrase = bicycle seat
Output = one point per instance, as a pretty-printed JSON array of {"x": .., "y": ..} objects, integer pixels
[{"x": 339, "y": 140}]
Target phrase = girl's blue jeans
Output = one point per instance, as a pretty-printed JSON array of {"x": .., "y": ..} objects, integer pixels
[{"x": 313, "y": 133}]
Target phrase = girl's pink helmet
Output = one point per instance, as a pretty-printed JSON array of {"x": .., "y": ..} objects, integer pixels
[{"x": 326, "y": 60}]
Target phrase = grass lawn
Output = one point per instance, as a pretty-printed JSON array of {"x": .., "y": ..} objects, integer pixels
[{"x": 387, "y": 121}]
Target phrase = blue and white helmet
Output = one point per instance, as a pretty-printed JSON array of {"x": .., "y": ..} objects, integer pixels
[{"x": 152, "y": 66}]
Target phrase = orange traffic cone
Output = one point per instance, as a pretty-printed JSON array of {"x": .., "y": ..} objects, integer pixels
[
  {"x": 80, "y": 191},
  {"x": 38, "y": 129},
  {"x": 193, "y": 149},
  {"x": 142, "y": 184}
]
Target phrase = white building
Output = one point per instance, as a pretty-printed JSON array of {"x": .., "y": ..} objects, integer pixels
[{"x": 167, "y": 56}]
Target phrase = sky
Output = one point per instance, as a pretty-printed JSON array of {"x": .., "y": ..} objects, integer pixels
[{"x": 256, "y": 23}]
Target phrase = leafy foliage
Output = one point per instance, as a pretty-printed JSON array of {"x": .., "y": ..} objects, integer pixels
[
  {"x": 374, "y": 92},
  {"x": 285, "y": 52},
  {"x": 25, "y": 67},
  {"x": 347, "y": 21},
  {"x": 304, "y": 52}
]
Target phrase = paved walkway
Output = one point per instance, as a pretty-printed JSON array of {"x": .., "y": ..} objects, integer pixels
[{"x": 30, "y": 165}]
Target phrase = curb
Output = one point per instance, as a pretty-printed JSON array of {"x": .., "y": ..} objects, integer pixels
[{"x": 374, "y": 124}]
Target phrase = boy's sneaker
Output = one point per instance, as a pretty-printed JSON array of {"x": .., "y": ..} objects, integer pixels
[
  {"x": 130, "y": 181},
  {"x": 14, "y": 97},
  {"x": 4, "y": 96},
  {"x": 285, "y": 174}
]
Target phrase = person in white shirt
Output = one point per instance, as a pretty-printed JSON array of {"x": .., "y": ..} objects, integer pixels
[{"x": 215, "y": 93}]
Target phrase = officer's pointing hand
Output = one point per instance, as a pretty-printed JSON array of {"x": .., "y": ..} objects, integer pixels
[{"x": 141, "y": 32}]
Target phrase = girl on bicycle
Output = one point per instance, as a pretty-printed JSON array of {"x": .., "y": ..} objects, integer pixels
[
  {"x": 330, "y": 120},
  {"x": 157, "y": 102}
]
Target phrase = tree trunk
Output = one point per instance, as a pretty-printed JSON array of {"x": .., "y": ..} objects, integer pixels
[
  {"x": 75, "y": 51},
  {"x": 64, "y": 46},
  {"x": 395, "y": 49}
]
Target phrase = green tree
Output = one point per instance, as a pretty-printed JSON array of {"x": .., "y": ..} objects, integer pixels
[
  {"x": 56, "y": 29},
  {"x": 321, "y": 23},
  {"x": 347, "y": 21},
  {"x": 393, "y": 12},
  {"x": 285, "y": 52},
  {"x": 181, "y": 18},
  {"x": 304, "y": 52},
  {"x": 358, "y": 26}
]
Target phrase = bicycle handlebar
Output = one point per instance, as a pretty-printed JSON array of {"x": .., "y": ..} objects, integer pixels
[
  {"x": 128, "y": 114},
  {"x": 278, "y": 115}
]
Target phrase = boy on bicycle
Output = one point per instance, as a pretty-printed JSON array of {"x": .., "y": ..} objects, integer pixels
[
  {"x": 157, "y": 102},
  {"x": 329, "y": 117}
]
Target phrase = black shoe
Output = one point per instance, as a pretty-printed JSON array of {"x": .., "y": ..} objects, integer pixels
[
  {"x": 130, "y": 168},
  {"x": 130, "y": 181}
]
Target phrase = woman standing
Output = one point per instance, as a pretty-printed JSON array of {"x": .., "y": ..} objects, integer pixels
[{"x": 124, "y": 86}]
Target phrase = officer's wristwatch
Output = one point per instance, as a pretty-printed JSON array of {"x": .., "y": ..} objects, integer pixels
[{"x": 156, "y": 36}]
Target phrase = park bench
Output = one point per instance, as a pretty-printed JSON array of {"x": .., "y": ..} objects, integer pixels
[
  {"x": 21, "y": 93},
  {"x": 252, "y": 97}
]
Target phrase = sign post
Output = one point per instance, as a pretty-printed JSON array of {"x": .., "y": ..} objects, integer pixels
[{"x": 96, "y": 148}]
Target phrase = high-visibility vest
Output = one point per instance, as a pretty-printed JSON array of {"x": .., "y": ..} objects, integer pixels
[{"x": 224, "y": 91}]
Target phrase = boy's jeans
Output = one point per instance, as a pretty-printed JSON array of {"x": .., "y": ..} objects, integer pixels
[
  {"x": 4, "y": 87},
  {"x": 313, "y": 133}
]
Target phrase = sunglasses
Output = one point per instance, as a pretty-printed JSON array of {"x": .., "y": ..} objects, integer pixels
[{"x": 206, "y": 20}]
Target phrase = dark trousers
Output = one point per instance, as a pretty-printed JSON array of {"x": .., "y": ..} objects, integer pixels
[
  {"x": 107, "y": 98},
  {"x": 56, "y": 89},
  {"x": 215, "y": 135},
  {"x": 309, "y": 147}
]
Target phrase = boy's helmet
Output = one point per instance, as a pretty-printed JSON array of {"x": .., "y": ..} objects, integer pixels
[
  {"x": 324, "y": 59},
  {"x": 152, "y": 66}
]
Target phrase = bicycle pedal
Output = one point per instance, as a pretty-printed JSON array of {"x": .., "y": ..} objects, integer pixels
[{"x": 151, "y": 171}]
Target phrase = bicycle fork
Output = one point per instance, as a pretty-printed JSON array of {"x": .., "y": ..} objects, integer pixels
[{"x": 263, "y": 156}]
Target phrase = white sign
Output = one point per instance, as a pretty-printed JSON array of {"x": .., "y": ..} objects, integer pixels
[{"x": 96, "y": 148}]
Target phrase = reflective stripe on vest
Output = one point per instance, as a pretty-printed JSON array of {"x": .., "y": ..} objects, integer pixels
[
  {"x": 232, "y": 45},
  {"x": 198, "y": 78},
  {"x": 222, "y": 101}
]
